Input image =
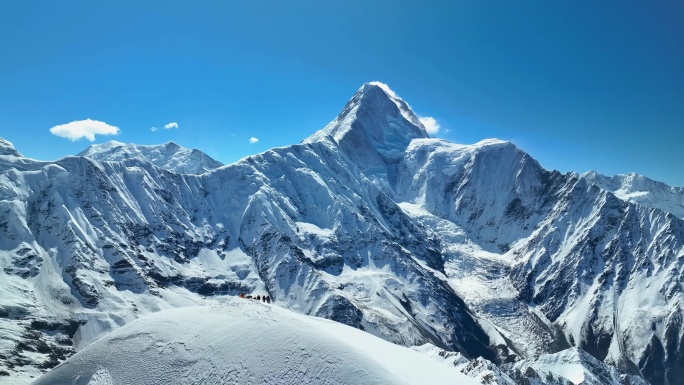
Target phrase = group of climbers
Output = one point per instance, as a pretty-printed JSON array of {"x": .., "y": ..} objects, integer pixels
[{"x": 264, "y": 298}]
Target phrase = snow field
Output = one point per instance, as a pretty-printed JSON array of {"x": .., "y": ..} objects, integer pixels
[{"x": 246, "y": 342}]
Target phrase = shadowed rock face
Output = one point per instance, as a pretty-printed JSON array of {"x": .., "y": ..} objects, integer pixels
[{"x": 369, "y": 222}]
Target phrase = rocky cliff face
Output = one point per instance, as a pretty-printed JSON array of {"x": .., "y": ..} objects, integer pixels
[{"x": 369, "y": 222}]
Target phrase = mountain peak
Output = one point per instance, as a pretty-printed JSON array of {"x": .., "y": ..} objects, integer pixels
[
  {"x": 377, "y": 95},
  {"x": 374, "y": 125},
  {"x": 374, "y": 87},
  {"x": 636, "y": 188},
  {"x": 7, "y": 148},
  {"x": 169, "y": 156},
  {"x": 112, "y": 143}
]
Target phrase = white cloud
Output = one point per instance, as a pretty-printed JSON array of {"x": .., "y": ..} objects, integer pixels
[
  {"x": 253, "y": 140},
  {"x": 430, "y": 124},
  {"x": 171, "y": 125},
  {"x": 153, "y": 129},
  {"x": 84, "y": 129}
]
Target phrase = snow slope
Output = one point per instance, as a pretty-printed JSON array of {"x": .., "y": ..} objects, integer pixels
[
  {"x": 169, "y": 156},
  {"x": 243, "y": 341}
]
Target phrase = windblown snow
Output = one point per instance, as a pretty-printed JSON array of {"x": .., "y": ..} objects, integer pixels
[{"x": 243, "y": 341}]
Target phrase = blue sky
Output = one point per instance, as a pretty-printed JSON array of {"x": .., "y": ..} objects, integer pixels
[{"x": 579, "y": 85}]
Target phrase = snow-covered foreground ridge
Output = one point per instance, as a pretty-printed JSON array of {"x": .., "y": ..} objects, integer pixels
[
  {"x": 246, "y": 342},
  {"x": 368, "y": 222}
]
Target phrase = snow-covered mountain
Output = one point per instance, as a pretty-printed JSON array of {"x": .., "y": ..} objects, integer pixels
[
  {"x": 7, "y": 149},
  {"x": 575, "y": 365},
  {"x": 474, "y": 249},
  {"x": 246, "y": 342},
  {"x": 644, "y": 191},
  {"x": 567, "y": 367},
  {"x": 169, "y": 156}
]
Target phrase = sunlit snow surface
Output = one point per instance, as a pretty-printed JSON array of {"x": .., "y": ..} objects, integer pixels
[
  {"x": 169, "y": 156},
  {"x": 641, "y": 190},
  {"x": 243, "y": 341}
]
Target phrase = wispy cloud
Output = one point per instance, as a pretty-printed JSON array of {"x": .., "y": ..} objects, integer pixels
[
  {"x": 430, "y": 124},
  {"x": 385, "y": 88},
  {"x": 165, "y": 127},
  {"x": 253, "y": 140},
  {"x": 84, "y": 129}
]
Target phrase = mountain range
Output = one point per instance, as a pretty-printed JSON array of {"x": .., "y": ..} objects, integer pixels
[
  {"x": 473, "y": 252},
  {"x": 169, "y": 156}
]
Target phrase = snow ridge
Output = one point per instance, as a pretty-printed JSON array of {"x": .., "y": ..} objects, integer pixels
[
  {"x": 169, "y": 156},
  {"x": 247, "y": 342},
  {"x": 7, "y": 148},
  {"x": 642, "y": 190}
]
